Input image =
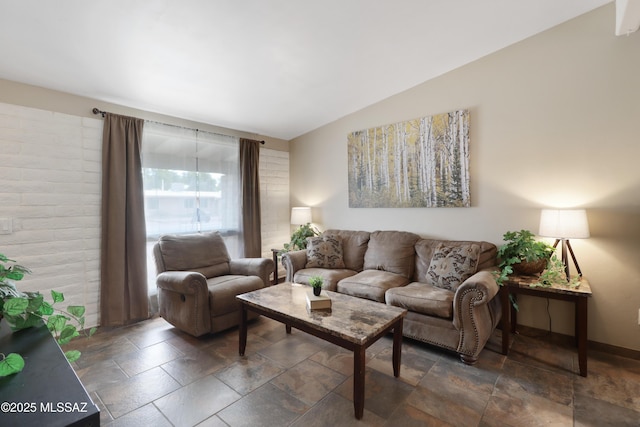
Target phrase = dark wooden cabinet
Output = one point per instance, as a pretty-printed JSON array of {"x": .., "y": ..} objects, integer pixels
[{"x": 47, "y": 392}]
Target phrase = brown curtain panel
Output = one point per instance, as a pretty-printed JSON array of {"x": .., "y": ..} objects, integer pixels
[
  {"x": 251, "y": 230},
  {"x": 123, "y": 286}
]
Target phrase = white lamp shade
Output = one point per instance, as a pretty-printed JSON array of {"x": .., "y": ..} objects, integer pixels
[
  {"x": 564, "y": 223},
  {"x": 300, "y": 215}
]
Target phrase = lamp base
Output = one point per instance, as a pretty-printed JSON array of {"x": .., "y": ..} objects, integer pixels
[{"x": 566, "y": 247}]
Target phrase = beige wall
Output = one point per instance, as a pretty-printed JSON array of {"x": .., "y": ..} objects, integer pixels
[{"x": 554, "y": 123}]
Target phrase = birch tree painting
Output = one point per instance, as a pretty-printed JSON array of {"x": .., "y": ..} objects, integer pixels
[{"x": 416, "y": 163}]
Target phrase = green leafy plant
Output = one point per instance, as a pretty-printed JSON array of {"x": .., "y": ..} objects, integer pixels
[
  {"x": 299, "y": 237},
  {"x": 555, "y": 274},
  {"x": 520, "y": 246},
  {"x": 316, "y": 282},
  {"x": 23, "y": 310}
]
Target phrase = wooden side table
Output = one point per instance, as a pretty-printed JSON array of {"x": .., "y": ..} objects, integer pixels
[
  {"x": 275, "y": 253},
  {"x": 579, "y": 296}
]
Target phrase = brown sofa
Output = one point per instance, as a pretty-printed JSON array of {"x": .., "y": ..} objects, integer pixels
[{"x": 446, "y": 286}]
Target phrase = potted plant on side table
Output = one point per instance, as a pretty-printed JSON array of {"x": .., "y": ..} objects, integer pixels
[
  {"x": 522, "y": 254},
  {"x": 299, "y": 238}
]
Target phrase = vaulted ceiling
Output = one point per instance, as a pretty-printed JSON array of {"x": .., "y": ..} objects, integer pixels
[{"x": 279, "y": 68}]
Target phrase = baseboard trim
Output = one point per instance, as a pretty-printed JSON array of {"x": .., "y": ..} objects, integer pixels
[{"x": 569, "y": 340}]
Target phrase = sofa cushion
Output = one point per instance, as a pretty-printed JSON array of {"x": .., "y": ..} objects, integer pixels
[
  {"x": 452, "y": 265},
  {"x": 354, "y": 245},
  {"x": 422, "y": 298},
  {"x": 425, "y": 248},
  {"x": 392, "y": 251},
  {"x": 330, "y": 277},
  {"x": 371, "y": 284},
  {"x": 324, "y": 251}
]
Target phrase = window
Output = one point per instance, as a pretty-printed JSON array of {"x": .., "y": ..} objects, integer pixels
[{"x": 191, "y": 184}]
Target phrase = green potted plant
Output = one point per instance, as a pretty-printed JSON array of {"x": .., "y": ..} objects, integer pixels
[
  {"x": 316, "y": 283},
  {"x": 522, "y": 254},
  {"x": 299, "y": 237},
  {"x": 23, "y": 310}
]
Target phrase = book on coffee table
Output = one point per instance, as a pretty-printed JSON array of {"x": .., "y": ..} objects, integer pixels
[{"x": 320, "y": 302}]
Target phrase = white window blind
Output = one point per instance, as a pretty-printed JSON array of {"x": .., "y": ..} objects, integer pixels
[{"x": 191, "y": 182}]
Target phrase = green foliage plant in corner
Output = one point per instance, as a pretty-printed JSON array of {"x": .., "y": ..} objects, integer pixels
[
  {"x": 23, "y": 310},
  {"x": 299, "y": 237}
]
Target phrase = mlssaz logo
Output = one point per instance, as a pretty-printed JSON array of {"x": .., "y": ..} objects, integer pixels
[{"x": 63, "y": 407}]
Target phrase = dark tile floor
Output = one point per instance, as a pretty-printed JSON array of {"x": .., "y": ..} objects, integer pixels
[{"x": 150, "y": 374}]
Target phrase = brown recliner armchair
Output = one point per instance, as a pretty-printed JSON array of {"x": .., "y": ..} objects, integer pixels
[{"x": 198, "y": 282}]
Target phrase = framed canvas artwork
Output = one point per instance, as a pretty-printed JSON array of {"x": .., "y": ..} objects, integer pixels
[{"x": 416, "y": 163}]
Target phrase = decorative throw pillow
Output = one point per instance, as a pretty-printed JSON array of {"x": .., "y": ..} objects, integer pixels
[
  {"x": 452, "y": 265},
  {"x": 324, "y": 251}
]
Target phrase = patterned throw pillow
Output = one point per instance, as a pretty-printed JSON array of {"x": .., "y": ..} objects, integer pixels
[
  {"x": 452, "y": 265},
  {"x": 324, "y": 252}
]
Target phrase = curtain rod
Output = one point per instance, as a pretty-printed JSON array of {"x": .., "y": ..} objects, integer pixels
[{"x": 103, "y": 113}]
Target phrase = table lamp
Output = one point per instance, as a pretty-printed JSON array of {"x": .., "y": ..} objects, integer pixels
[
  {"x": 565, "y": 224},
  {"x": 300, "y": 215}
]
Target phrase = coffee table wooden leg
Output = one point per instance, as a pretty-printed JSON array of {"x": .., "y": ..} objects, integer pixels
[
  {"x": 397, "y": 348},
  {"x": 358, "y": 380},
  {"x": 243, "y": 329},
  {"x": 287, "y": 328}
]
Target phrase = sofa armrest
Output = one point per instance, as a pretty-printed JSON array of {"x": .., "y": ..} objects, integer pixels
[
  {"x": 294, "y": 261},
  {"x": 473, "y": 315},
  {"x": 183, "y": 301},
  {"x": 261, "y": 267}
]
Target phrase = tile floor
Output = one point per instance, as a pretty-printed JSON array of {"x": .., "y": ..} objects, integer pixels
[{"x": 150, "y": 374}]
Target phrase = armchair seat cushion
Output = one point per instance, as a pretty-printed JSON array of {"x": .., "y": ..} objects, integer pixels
[
  {"x": 223, "y": 291},
  {"x": 371, "y": 284},
  {"x": 422, "y": 298}
]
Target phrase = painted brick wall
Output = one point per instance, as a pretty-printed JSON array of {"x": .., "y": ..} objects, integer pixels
[
  {"x": 274, "y": 201},
  {"x": 50, "y": 190},
  {"x": 50, "y": 172},
  {"x": 274, "y": 204}
]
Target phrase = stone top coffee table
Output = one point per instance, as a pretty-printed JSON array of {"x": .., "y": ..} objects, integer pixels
[{"x": 352, "y": 323}]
